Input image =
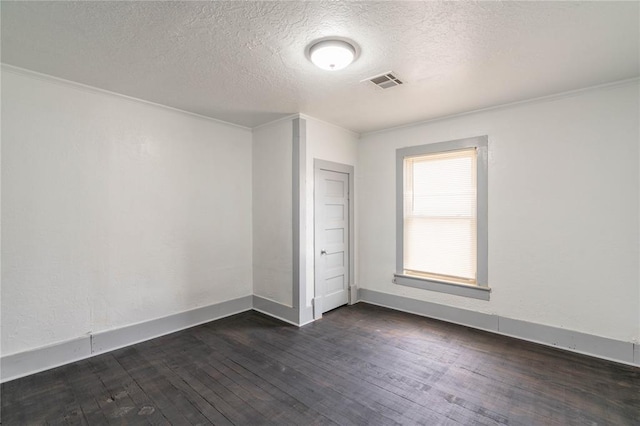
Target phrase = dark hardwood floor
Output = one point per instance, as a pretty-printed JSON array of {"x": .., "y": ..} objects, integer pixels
[{"x": 361, "y": 364}]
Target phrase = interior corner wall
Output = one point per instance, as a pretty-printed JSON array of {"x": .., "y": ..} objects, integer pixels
[
  {"x": 272, "y": 212},
  {"x": 563, "y": 210},
  {"x": 331, "y": 143},
  {"x": 115, "y": 211}
]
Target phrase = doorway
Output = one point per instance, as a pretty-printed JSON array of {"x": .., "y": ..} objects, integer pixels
[{"x": 333, "y": 236}]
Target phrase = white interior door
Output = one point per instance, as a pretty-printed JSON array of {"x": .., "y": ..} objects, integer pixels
[{"x": 332, "y": 239}]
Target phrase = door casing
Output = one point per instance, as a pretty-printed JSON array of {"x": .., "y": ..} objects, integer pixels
[{"x": 319, "y": 165}]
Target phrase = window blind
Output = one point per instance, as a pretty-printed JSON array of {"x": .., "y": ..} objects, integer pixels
[{"x": 440, "y": 196}]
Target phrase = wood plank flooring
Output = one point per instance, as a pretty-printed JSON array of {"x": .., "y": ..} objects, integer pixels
[{"x": 359, "y": 365}]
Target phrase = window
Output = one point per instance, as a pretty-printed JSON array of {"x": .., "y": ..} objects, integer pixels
[{"x": 442, "y": 217}]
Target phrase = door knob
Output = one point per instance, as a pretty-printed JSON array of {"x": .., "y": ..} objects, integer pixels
[{"x": 323, "y": 251}]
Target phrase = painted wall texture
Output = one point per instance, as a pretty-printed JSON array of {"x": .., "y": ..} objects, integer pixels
[
  {"x": 115, "y": 212},
  {"x": 272, "y": 212},
  {"x": 563, "y": 210}
]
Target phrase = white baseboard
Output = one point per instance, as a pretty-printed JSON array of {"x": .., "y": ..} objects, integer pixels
[
  {"x": 30, "y": 362},
  {"x": 25, "y": 363},
  {"x": 44, "y": 358},
  {"x": 277, "y": 310},
  {"x": 110, "y": 340},
  {"x": 574, "y": 341},
  {"x": 306, "y": 316}
]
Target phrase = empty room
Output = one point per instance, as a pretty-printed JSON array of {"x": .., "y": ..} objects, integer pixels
[{"x": 320, "y": 213}]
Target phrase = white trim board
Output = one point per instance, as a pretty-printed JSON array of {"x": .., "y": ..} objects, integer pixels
[
  {"x": 545, "y": 98},
  {"x": 306, "y": 117},
  {"x": 44, "y": 358},
  {"x": 299, "y": 218},
  {"x": 92, "y": 89},
  {"x": 276, "y": 310},
  {"x": 337, "y": 126},
  {"x": 574, "y": 341},
  {"x": 349, "y": 170}
]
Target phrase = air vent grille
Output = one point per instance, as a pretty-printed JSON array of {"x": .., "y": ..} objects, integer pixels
[{"x": 386, "y": 80}]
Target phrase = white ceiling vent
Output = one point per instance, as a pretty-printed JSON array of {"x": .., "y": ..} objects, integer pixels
[{"x": 385, "y": 81}]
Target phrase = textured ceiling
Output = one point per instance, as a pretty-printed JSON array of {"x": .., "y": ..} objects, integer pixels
[{"x": 244, "y": 62}]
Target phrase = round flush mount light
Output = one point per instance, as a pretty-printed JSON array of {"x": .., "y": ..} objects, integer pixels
[{"x": 332, "y": 55}]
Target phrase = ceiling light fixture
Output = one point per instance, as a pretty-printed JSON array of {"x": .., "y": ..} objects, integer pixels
[{"x": 332, "y": 55}]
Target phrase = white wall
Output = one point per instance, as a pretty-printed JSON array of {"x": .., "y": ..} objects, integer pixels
[
  {"x": 563, "y": 210},
  {"x": 115, "y": 211},
  {"x": 272, "y": 200},
  {"x": 272, "y": 212},
  {"x": 331, "y": 143}
]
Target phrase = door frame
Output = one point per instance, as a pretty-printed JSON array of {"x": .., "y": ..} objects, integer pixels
[{"x": 331, "y": 166}]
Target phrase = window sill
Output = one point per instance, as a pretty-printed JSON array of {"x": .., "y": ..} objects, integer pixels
[{"x": 465, "y": 290}]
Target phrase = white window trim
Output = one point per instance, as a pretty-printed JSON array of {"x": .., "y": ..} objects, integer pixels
[{"x": 481, "y": 290}]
